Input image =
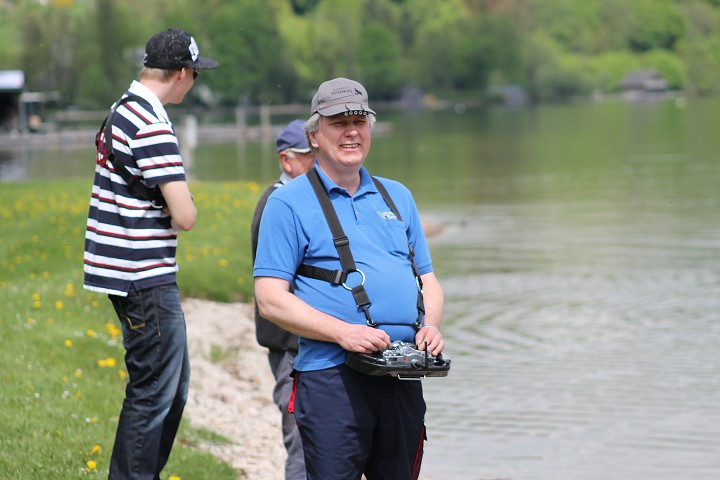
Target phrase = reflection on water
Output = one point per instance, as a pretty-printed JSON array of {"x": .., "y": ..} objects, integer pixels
[
  {"x": 581, "y": 264},
  {"x": 584, "y": 346},
  {"x": 582, "y": 317}
]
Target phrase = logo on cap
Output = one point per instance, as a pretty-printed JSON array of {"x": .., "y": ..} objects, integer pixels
[{"x": 194, "y": 50}]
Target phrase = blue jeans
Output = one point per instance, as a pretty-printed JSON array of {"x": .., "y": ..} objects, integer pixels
[{"x": 156, "y": 357}]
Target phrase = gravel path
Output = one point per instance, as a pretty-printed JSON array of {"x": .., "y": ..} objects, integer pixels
[{"x": 231, "y": 388}]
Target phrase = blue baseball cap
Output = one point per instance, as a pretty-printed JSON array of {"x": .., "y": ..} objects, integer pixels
[{"x": 293, "y": 138}]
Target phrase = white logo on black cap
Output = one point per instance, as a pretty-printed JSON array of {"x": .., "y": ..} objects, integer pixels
[{"x": 194, "y": 50}]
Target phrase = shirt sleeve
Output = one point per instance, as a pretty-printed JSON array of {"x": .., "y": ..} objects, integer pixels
[
  {"x": 280, "y": 242},
  {"x": 156, "y": 152}
]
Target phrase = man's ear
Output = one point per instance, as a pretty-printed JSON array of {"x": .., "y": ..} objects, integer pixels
[
  {"x": 312, "y": 138},
  {"x": 285, "y": 163}
]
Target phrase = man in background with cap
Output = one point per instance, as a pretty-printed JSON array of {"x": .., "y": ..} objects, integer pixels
[
  {"x": 295, "y": 158},
  {"x": 351, "y": 423},
  {"x": 130, "y": 245}
]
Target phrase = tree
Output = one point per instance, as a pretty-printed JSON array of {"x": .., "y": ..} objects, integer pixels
[
  {"x": 439, "y": 32},
  {"x": 247, "y": 45},
  {"x": 379, "y": 61},
  {"x": 488, "y": 45},
  {"x": 657, "y": 24}
]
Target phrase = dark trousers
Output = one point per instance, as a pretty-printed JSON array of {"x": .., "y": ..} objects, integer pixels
[
  {"x": 353, "y": 423},
  {"x": 156, "y": 357}
]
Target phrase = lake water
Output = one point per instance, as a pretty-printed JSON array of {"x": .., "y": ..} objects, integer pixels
[{"x": 581, "y": 263}]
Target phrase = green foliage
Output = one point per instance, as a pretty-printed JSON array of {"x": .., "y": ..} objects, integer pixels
[
  {"x": 10, "y": 47},
  {"x": 63, "y": 373},
  {"x": 334, "y": 33},
  {"x": 247, "y": 46},
  {"x": 276, "y": 51},
  {"x": 608, "y": 69},
  {"x": 657, "y": 24},
  {"x": 667, "y": 64},
  {"x": 438, "y": 36},
  {"x": 571, "y": 23},
  {"x": 380, "y": 62},
  {"x": 702, "y": 61}
]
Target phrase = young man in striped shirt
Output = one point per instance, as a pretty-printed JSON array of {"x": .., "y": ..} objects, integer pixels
[{"x": 130, "y": 245}]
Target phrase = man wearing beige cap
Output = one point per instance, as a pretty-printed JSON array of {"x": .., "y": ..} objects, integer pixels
[
  {"x": 351, "y": 423},
  {"x": 140, "y": 201},
  {"x": 295, "y": 158}
]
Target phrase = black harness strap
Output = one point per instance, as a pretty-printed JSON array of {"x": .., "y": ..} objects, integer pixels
[
  {"x": 342, "y": 245},
  {"x": 139, "y": 189},
  {"x": 420, "y": 302}
]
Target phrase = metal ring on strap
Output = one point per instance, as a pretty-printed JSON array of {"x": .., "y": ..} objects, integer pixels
[{"x": 361, "y": 283}]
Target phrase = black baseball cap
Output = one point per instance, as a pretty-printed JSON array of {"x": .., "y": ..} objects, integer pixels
[{"x": 175, "y": 49}]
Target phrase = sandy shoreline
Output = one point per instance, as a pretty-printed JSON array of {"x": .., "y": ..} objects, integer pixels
[{"x": 231, "y": 388}]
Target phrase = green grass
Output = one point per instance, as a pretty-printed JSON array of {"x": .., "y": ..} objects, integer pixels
[{"x": 63, "y": 374}]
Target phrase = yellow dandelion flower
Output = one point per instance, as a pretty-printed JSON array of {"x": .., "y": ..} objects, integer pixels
[
  {"x": 46, "y": 275},
  {"x": 110, "y": 362},
  {"x": 96, "y": 448},
  {"x": 223, "y": 262},
  {"x": 59, "y": 305},
  {"x": 78, "y": 373},
  {"x": 112, "y": 330},
  {"x": 102, "y": 362},
  {"x": 95, "y": 304},
  {"x": 92, "y": 465},
  {"x": 36, "y": 296},
  {"x": 78, "y": 394},
  {"x": 122, "y": 374},
  {"x": 68, "y": 343},
  {"x": 174, "y": 477},
  {"x": 90, "y": 332},
  {"x": 37, "y": 304}
]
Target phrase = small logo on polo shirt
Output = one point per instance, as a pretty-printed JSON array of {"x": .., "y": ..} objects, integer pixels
[{"x": 387, "y": 215}]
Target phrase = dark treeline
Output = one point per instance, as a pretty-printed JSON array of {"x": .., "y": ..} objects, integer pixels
[{"x": 278, "y": 51}]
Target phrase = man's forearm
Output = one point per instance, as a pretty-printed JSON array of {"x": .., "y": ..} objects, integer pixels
[{"x": 434, "y": 299}]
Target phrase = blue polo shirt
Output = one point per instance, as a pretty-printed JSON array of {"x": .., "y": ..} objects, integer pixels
[{"x": 293, "y": 230}]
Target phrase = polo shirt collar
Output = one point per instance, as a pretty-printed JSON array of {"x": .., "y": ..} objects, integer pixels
[
  {"x": 141, "y": 90},
  {"x": 366, "y": 183},
  {"x": 284, "y": 178}
]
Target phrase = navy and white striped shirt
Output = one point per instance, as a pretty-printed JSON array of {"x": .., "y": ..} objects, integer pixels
[{"x": 128, "y": 241}]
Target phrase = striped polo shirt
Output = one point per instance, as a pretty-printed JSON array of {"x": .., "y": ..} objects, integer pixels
[{"x": 129, "y": 241}]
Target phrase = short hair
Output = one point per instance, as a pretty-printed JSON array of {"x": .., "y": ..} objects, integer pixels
[
  {"x": 158, "y": 74},
  {"x": 313, "y": 125}
]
